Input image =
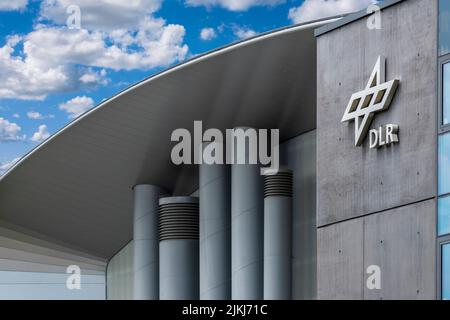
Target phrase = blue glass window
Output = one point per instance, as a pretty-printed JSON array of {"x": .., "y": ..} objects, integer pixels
[
  {"x": 446, "y": 94},
  {"x": 445, "y": 272},
  {"x": 444, "y": 164},
  {"x": 444, "y": 27},
  {"x": 444, "y": 216}
]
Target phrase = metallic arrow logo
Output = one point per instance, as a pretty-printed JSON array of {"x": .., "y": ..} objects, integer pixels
[{"x": 376, "y": 97}]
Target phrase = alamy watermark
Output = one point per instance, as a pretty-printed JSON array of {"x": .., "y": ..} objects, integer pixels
[
  {"x": 73, "y": 281},
  {"x": 374, "y": 20},
  {"x": 240, "y": 146},
  {"x": 374, "y": 279},
  {"x": 74, "y": 17}
]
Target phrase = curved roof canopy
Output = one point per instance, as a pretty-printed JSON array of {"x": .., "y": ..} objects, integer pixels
[{"x": 77, "y": 186}]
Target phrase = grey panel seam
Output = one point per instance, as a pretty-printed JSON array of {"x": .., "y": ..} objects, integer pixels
[
  {"x": 221, "y": 231},
  {"x": 248, "y": 264},
  {"x": 213, "y": 180},
  {"x": 146, "y": 265},
  {"x": 248, "y": 211},
  {"x": 217, "y": 285},
  {"x": 146, "y": 214},
  {"x": 375, "y": 212}
]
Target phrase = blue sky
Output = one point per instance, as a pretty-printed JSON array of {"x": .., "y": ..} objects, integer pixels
[{"x": 51, "y": 73}]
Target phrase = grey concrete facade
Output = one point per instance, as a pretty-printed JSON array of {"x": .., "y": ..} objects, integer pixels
[
  {"x": 400, "y": 241},
  {"x": 377, "y": 206},
  {"x": 373, "y": 180}
]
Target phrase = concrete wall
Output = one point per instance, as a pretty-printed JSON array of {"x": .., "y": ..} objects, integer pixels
[
  {"x": 400, "y": 241},
  {"x": 391, "y": 186}
]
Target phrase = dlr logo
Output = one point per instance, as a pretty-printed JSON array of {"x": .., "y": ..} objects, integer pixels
[{"x": 383, "y": 136}]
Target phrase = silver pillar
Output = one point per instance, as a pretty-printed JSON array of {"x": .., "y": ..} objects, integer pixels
[
  {"x": 178, "y": 248},
  {"x": 146, "y": 242},
  {"x": 215, "y": 231},
  {"x": 278, "y": 236},
  {"x": 246, "y": 231}
]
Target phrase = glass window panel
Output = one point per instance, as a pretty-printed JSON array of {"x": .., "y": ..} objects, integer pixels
[
  {"x": 444, "y": 216},
  {"x": 444, "y": 27},
  {"x": 446, "y": 93},
  {"x": 446, "y": 272},
  {"x": 444, "y": 164}
]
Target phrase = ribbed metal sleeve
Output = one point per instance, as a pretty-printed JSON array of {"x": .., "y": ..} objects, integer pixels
[
  {"x": 279, "y": 184},
  {"x": 178, "y": 218}
]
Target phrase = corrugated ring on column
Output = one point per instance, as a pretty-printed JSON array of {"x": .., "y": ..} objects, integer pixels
[
  {"x": 178, "y": 218},
  {"x": 279, "y": 184}
]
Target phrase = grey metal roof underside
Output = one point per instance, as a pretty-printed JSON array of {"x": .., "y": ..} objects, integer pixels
[
  {"x": 352, "y": 17},
  {"x": 76, "y": 187}
]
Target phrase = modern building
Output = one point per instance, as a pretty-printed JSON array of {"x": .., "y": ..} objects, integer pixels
[{"x": 360, "y": 210}]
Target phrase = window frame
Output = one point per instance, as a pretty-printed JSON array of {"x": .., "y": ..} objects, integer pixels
[
  {"x": 442, "y": 241},
  {"x": 440, "y": 136},
  {"x": 443, "y": 128},
  {"x": 443, "y": 196}
]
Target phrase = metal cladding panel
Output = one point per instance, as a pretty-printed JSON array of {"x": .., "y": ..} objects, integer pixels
[
  {"x": 146, "y": 242},
  {"x": 215, "y": 232}
]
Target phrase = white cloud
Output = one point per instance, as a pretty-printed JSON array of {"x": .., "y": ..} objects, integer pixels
[
  {"x": 13, "y": 5},
  {"x": 233, "y": 5},
  {"x": 41, "y": 134},
  {"x": 101, "y": 15},
  {"x": 77, "y": 106},
  {"x": 9, "y": 131},
  {"x": 16, "y": 115},
  {"x": 207, "y": 34},
  {"x": 159, "y": 45},
  {"x": 6, "y": 165},
  {"x": 34, "y": 115},
  {"x": 94, "y": 77},
  {"x": 139, "y": 40},
  {"x": 24, "y": 78},
  {"x": 38, "y": 116},
  {"x": 58, "y": 59},
  {"x": 317, "y": 9},
  {"x": 243, "y": 32}
]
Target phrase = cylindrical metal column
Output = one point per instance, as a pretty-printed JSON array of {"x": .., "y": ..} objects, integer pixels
[
  {"x": 215, "y": 230},
  {"x": 178, "y": 248},
  {"x": 146, "y": 242},
  {"x": 247, "y": 219},
  {"x": 278, "y": 235}
]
